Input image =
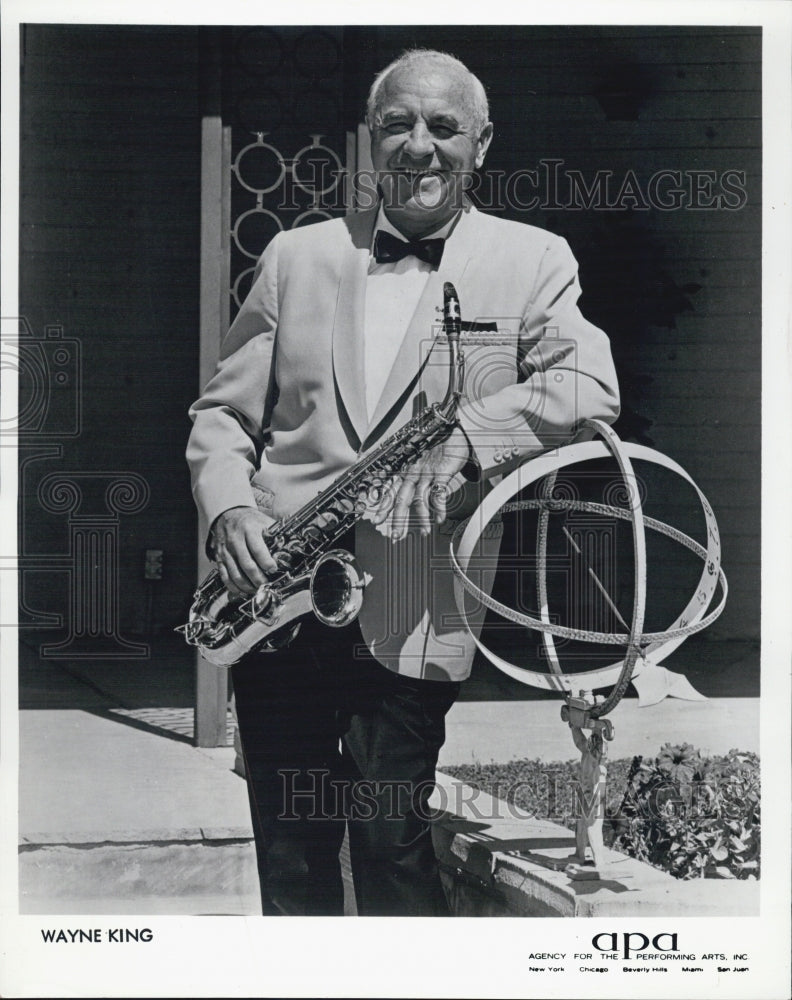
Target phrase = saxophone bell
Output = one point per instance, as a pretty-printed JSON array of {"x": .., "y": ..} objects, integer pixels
[{"x": 337, "y": 584}]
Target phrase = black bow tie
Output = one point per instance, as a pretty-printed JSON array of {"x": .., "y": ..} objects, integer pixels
[{"x": 389, "y": 248}]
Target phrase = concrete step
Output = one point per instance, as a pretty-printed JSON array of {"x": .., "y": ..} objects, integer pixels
[
  {"x": 140, "y": 873},
  {"x": 186, "y": 872}
]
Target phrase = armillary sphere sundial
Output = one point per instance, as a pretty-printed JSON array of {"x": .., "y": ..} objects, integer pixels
[{"x": 643, "y": 652}]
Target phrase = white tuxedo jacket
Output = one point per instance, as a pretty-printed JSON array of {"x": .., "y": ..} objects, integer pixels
[{"x": 285, "y": 412}]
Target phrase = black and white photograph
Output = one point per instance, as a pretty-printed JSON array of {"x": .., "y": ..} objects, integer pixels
[{"x": 395, "y": 505}]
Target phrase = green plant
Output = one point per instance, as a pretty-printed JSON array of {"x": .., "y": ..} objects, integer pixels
[{"x": 694, "y": 817}]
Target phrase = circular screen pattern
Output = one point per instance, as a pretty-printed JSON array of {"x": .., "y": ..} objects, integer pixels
[
  {"x": 254, "y": 229},
  {"x": 316, "y": 54},
  {"x": 259, "y": 167},
  {"x": 259, "y": 51}
]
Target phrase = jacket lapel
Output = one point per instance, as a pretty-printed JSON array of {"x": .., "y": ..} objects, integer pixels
[
  {"x": 348, "y": 339},
  {"x": 420, "y": 339}
]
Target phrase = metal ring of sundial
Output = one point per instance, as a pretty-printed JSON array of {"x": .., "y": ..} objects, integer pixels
[{"x": 692, "y": 619}]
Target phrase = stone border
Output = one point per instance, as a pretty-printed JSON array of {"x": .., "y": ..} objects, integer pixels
[{"x": 496, "y": 865}]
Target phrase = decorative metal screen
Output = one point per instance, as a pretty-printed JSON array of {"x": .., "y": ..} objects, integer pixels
[{"x": 283, "y": 95}]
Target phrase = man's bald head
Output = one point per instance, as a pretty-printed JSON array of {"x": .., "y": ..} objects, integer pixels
[{"x": 423, "y": 62}]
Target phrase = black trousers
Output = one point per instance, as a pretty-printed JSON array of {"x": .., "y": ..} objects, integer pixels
[{"x": 331, "y": 738}]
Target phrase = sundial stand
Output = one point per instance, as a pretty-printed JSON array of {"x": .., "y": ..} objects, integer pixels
[
  {"x": 593, "y": 776},
  {"x": 644, "y": 650}
]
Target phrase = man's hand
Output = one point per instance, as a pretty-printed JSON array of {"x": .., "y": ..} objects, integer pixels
[
  {"x": 426, "y": 486},
  {"x": 240, "y": 551}
]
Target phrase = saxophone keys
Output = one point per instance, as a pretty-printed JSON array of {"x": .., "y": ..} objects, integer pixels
[
  {"x": 363, "y": 501},
  {"x": 261, "y": 606},
  {"x": 344, "y": 506},
  {"x": 193, "y": 631},
  {"x": 375, "y": 491},
  {"x": 284, "y": 559}
]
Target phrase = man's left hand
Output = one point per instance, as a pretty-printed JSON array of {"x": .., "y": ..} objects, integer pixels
[{"x": 426, "y": 486}]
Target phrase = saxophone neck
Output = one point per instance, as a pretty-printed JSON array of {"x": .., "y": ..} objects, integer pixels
[{"x": 452, "y": 327}]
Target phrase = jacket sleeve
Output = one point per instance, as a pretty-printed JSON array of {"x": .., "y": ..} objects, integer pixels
[
  {"x": 231, "y": 417},
  {"x": 566, "y": 375}
]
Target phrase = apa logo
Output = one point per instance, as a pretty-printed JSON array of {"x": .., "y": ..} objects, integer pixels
[{"x": 610, "y": 942}]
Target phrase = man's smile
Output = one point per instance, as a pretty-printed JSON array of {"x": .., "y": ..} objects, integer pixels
[
  {"x": 427, "y": 188},
  {"x": 415, "y": 174}
]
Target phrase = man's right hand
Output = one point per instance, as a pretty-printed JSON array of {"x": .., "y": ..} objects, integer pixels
[{"x": 240, "y": 551}]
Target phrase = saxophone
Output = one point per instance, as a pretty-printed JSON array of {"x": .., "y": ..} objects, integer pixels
[{"x": 312, "y": 576}]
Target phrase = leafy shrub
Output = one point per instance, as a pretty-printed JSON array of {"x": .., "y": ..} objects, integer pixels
[
  {"x": 693, "y": 817},
  {"x": 688, "y": 815},
  {"x": 547, "y": 790}
]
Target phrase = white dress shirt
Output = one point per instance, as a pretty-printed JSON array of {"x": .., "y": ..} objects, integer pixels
[{"x": 392, "y": 294}]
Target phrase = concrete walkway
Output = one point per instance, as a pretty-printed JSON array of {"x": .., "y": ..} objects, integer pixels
[
  {"x": 109, "y": 779},
  {"x": 118, "y": 811}
]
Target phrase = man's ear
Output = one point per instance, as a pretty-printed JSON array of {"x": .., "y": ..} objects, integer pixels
[{"x": 484, "y": 140}]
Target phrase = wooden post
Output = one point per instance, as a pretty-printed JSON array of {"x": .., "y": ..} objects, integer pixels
[
  {"x": 358, "y": 152},
  {"x": 211, "y": 683}
]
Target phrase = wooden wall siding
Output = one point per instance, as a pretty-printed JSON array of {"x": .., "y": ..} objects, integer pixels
[{"x": 110, "y": 159}]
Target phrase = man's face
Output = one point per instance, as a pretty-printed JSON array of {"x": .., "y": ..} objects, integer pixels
[{"x": 424, "y": 146}]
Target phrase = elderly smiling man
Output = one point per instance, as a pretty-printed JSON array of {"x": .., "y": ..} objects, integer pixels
[{"x": 335, "y": 348}]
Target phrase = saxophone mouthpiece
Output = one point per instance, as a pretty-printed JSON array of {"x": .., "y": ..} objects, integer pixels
[{"x": 452, "y": 317}]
